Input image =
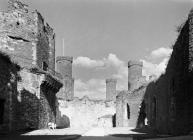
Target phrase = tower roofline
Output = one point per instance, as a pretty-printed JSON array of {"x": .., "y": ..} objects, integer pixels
[
  {"x": 64, "y": 58},
  {"x": 134, "y": 62},
  {"x": 111, "y": 80}
]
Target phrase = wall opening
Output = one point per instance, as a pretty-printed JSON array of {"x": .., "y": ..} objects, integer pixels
[
  {"x": 128, "y": 111},
  {"x": 44, "y": 66},
  {"x": 114, "y": 120},
  {"x": 2, "y": 103},
  {"x": 142, "y": 119}
]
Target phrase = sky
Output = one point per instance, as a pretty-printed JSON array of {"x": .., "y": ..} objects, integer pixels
[{"x": 102, "y": 35}]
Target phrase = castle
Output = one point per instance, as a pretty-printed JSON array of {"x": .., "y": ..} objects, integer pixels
[{"x": 32, "y": 93}]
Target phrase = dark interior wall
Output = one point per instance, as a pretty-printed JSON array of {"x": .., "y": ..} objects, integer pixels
[{"x": 168, "y": 98}]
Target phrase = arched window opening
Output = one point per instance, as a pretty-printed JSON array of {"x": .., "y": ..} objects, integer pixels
[{"x": 128, "y": 111}]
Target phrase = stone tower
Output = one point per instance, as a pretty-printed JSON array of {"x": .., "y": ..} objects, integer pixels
[
  {"x": 134, "y": 74},
  {"x": 64, "y": 67},
  {"x": 111, "y": 89}
]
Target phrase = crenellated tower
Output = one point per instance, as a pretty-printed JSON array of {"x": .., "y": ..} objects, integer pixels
[
  {"x": 134, "y": 74},
  {"x": 64, "y": 67}
]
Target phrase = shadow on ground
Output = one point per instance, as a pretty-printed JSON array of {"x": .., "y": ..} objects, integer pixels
[
  {"x": 142, "y": 133},
  {"x": 39, "y": 137}
]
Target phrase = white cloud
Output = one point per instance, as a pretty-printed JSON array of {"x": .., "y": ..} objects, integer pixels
[
  {"x": 96, "y": 88},
  {"x": 161, "y": 53},
  {"x": 151, "y": 68},
  {"x": 113, "y": 60},
  {"x": 87, "y": 62},
  {"x": 93, "y": 88}
]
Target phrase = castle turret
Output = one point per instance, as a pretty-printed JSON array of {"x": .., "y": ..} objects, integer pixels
[
  {"x": 134, "y": 74},
  {"x": 111, "y": 89},
  {"x": 64, "y": 67}
]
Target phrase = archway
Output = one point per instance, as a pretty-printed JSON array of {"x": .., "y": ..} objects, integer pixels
[
  {"x": 114, "y": 120},
  {"x": 128, "y": 111}
]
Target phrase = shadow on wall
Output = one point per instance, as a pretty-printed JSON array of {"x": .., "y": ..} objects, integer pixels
[
  {"x": 8, "y": 75},
  {"x": 167, "y": 103},
  {"x": 20, "y": 110},
  {"x": 63, "y": 122},
  {"x": 26, "y": 111}
]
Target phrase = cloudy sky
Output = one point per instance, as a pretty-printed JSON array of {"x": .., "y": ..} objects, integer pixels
[{"x": 102, "y": 35}]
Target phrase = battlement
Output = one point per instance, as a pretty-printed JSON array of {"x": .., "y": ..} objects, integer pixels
[
  {"x": 64, "y": 58},
  {"x": 135, "y": 62},
  {"x": 111, "y": 80}
]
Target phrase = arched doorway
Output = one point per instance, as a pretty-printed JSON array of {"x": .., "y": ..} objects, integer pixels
[{"x": 128, "y": 111}]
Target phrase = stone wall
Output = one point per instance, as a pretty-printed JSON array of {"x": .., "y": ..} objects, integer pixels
[
  {"x": 29, "y": 97},
  {"x": 21, "y": 27},
  {"x": 28, "y": 85},
  {"x": 86, "y": 113},
  {"x": 111, "y": 92},
  {"x": 128, "y": 106},
  {"x": 168, "y": 100}
]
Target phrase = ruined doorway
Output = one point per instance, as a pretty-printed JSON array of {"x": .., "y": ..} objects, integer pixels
[
  {"x": 2, "y": 103},
  {"x": 142, "y": 119},
  {"x": 114, "y": 120},
  {"x": 128, "y": 111}
]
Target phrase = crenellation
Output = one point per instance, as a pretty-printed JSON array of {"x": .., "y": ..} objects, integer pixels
[
  {"x": 32, "y": 94},
  {"x": 64, "y": 66}
]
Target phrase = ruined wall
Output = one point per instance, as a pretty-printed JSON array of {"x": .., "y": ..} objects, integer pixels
[
  {"x": 111, "y": 89},
  {"x": 121, "y": 109},
  {"x": 171, "y": 93},
  {"x": 86, "y": 113},
  {"x": 128, "y": 106},
  {"x": 29, "y": 98},
  {"x": 64, "y": 66},
  {"x": 25, "y": 37},
  {"x": 28, "y": 92}
]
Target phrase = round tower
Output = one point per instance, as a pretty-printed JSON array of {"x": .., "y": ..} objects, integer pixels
[
  {"x": 134, "y": 74},
  {"x": 111, "y": 89},
  {"x": 64, "y": 65}
]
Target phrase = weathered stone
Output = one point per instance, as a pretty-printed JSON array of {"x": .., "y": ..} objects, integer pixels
[
  {"x": 64, "y": 66},
  {"x": 111, "y": 89},
  {"x": 29, "y": 86}
]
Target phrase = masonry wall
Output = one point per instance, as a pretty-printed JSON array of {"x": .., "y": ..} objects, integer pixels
[
  {"x": 86, "y": 113},
  {"x": 111, "y": 92},
  {"x": 28, "y": 91},
  {"x": 128, "y": 105},
  {"x": 26, "y": 38},
  {"x": 171, "y": 93}
]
